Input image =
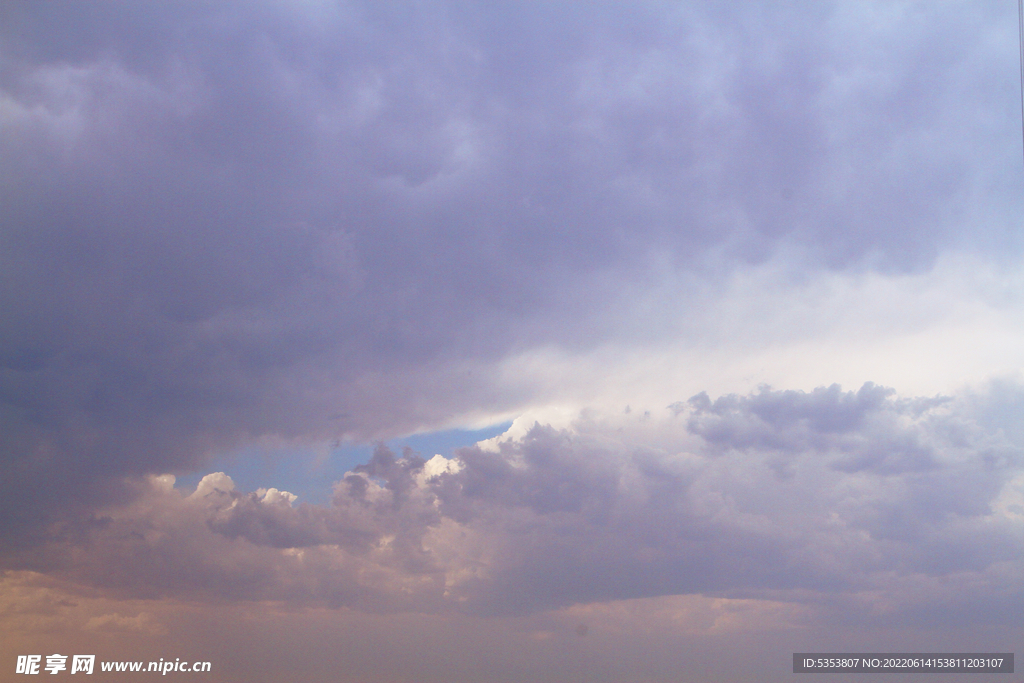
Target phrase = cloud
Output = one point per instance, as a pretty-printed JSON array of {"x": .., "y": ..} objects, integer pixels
[
  {"x": 237, "y": 224},
  {"x": 859, "y": 502},
  {"x": 202, "y": 219},
  {"x": 116, "y": 623},
  {"x": 266, "y": 641}
]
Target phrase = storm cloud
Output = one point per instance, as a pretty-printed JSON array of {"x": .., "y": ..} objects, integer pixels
[{"x": 226, "y": 225}]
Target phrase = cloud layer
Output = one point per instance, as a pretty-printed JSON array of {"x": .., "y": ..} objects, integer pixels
[
  {"x": 861, "y": 502},
  {"x": 324, "y": 220},
  {"x": 236, "y": 224}
]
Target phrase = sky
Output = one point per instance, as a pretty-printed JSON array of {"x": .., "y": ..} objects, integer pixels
[{"x": 509, "y": 341}]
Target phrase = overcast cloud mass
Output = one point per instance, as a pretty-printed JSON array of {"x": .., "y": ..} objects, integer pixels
[{"x": 745, "y": 277}]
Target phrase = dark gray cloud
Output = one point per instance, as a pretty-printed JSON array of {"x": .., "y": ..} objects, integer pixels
[{"x": 226, "y": 221}]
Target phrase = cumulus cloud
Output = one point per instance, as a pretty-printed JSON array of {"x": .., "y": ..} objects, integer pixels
[{"x": 858, "y": 501}]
